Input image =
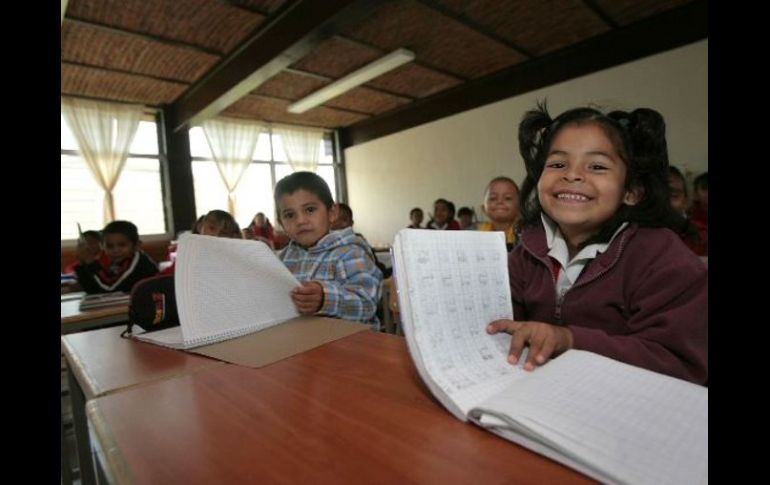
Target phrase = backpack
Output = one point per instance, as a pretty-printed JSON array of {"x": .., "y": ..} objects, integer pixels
[{"x": 153, "y": 304}]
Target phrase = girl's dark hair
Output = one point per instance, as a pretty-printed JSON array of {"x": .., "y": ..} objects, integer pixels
[
  {"x": 640, "y": 141},
  {"x": 126, "y": 228},
  {"x": 230, "y": 228}
]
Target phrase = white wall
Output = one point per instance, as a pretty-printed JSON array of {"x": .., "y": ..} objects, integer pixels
[{"x": 455, "y": 157}]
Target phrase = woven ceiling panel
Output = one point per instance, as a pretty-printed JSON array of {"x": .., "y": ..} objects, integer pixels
[
  {"x": 625, "y": 12},
  {"x": 289, "y": 85},
  {"x": 83, "y": 44},
  {"x": 414, "y": 80},
  {"x": 83, "y": 81},
  {"x": 438, "y": 40},
  {"x": 534, "y": 25},
  {"x": 365, "y": 100},
  {"x": 274, "y": 110},
  {"x": 337, "y": 56},
  {"x": 211, "y": 24}
]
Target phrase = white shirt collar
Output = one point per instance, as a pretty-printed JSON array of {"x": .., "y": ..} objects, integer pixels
[{"x": 557, "y": 245}]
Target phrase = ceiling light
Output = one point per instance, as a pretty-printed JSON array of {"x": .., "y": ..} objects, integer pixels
[{"x": 356, "y": 78}]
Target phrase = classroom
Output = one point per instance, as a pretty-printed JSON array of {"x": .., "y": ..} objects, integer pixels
[{"x": 394, "y": 104}]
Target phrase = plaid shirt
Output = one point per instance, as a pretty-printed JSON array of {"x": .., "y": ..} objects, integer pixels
[{"x": 343, "y": 264}]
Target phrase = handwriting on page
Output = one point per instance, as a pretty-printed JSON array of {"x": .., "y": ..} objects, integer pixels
[{"x": 457, "y": 286}]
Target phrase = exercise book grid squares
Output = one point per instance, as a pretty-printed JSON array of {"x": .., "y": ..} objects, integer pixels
[{"x": 455, "y": 304}]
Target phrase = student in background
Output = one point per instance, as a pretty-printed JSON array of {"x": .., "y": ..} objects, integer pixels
[
  {"x": 465, "y": 216},
  {"x": 699, "y": 212},
  {"x": 443, "y": 216},
  {"x": 337, "y": 270},
  {"x": 415, "y": 218},
  {"x": 343, "y": 220},
  {"x": 197, "y": 225},
  {"x": 89, "y": 247},
  {"x": 694, "y": 237},
  {"x": 260, "y": 229},
  {"x": 596, "y": 268},
  {"x": 501, "y": 205},
  {"x": 220, "y": 223},
  {"x": 127, "y": 262}
]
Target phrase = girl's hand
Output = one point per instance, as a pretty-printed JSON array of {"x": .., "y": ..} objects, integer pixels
[
  {"x": 308, "y": 298},
  {"x": 543, "y": 339}
]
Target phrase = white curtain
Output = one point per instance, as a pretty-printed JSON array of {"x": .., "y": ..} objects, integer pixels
[
  {"x": 302, "y": 147},
  {"x": 104, "y": 132},
  {"x": 232, "y": 144}
]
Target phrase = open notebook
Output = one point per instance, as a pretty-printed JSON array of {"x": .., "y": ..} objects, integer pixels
[
  {"x": 225, "y": 288},
  {"x": 612, "y": 421}
]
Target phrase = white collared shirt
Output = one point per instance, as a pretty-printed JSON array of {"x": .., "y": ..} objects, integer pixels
[{"x": 557, "y": 249}]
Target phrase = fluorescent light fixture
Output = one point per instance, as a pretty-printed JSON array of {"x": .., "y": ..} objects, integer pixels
[{"x": 356, "y": 78}]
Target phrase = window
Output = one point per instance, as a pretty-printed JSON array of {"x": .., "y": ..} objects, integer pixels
[
  {"x": 255, "y": 190},
  {"x": 138, "y": 195}
]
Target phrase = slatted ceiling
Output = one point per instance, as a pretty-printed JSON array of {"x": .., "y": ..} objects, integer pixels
[
  {"x": 97, "y": 83},
  {"x": 536, "y": 26},
  {"x": 625, "y": 12},
  {"x": 266, "y": 6},
  {"x": 414, "y": 80},
  {"x": 337, "y": 57},
  {"x": 274, "y": 110},
  {"x": 290, "y": 85},
  {"x": 92, "y": 46},
  {"x": 365, "y": 100},
  {"x": 211, "y": 24},
  {"x": 437, "y": 40}
]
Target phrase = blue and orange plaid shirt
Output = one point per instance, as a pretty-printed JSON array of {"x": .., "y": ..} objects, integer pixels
[{"x": 344, "y": 265}]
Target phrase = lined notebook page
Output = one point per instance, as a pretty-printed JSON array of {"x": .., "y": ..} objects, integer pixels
[
  {"x": 626, "y": 423},
  {"x": 450, "y": 285},
  {"x": 226, "y": 288}
]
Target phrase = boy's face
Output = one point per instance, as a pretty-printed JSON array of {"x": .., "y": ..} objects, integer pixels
[
  {"x": 416, "y": 217},
  {"x": 118, "y": 247},
  {"x": 304, "y": 217},
  {"x": 465, "y": 220}
]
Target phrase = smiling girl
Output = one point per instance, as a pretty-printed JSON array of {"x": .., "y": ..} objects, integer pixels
[{"x": 597, "y": 267}]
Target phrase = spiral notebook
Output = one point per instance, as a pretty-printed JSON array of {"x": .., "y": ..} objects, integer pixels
[{"x": 225, "y": 288}]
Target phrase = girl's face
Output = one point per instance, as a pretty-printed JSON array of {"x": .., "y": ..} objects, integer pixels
[
  {"x": 583, "y": 181},
  {"x": 441, "y": 213},
  {"x": 502, "y": 202},
  {"x": 211, "y": 227}
]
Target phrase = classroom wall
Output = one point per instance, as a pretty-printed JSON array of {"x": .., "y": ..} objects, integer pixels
[{"x": 455, "y": 157}]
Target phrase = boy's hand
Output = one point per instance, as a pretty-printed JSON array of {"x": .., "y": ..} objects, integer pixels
[
  {"x": 543, "y": 339},
  {"x": 308, "y": 298},
  {"x": 84, "y": 253}
]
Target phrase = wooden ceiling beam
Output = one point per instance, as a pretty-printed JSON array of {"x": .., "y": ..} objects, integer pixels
[
  {"x": 666, "y": 31},
  {"x": 289, "y": 34}
]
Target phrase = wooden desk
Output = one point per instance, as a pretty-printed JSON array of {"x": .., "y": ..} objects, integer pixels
[
  {"x": 352, "y": 411},
  {"x": 100, "y": 363},
  {"x": 74, "y": 320}
]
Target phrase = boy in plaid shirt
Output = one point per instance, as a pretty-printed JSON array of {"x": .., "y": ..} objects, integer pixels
[{"x": 338, "y": 274}]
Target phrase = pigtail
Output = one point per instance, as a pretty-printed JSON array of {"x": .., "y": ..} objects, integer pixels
[{"x": 533, "y": 133}]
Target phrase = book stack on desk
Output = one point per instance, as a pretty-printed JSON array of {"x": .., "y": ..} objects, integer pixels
[{"x": 102, "y": 300}]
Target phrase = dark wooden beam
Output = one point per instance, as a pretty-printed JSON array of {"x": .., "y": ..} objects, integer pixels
[
  {"x": 675, "y": 28},
  {"x": 178, "y": 191},
  {"x": 591, "y": 4},
  {"x": 285, "y": 37},
  {"x": 107, "y": 100}
]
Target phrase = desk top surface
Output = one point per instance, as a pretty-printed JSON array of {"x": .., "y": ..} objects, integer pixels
[
  {"x": 351, "y": 411},
  {"x": 103, "y": 362},
  {"x": 72, "y": 316}
]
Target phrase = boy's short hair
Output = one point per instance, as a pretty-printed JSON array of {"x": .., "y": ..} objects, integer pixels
[
  {"x": 126, "y": 228},
  {"x": 464, "y": 211},
  {"x": 305, "y": 181}
]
